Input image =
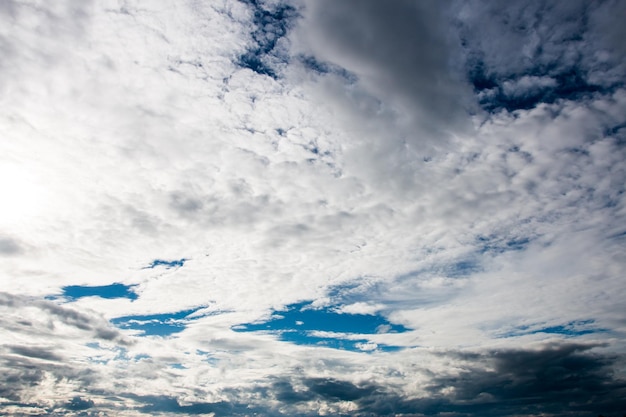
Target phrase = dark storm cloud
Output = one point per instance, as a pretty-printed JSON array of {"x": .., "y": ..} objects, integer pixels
[
  {"x": 514, "y": 55},
  {"x": 558, "y": 379},
  {"x": 168, "y": 404},
  {"x": 78, "y": 404},
  {"x": 284, "y": 392},
  {"x": 400, "y": 53},
  {"x": 335, "y": 390}
]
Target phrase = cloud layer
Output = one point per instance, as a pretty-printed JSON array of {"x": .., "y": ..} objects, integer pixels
[{"x": 335, "y": 208}]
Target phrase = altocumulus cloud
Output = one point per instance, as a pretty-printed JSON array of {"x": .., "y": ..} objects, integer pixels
[{"x": 274, "y": 208}]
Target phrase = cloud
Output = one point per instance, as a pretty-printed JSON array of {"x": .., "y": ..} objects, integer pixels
[
  {"x": 28, "y": 317},
  {"x": 361, "y": 308},
  {"x": 268, "y": 50},
  {"x": 161, "y": 404},
  {"x": 560, "y": 44},
  {"x": 337, "y": 390},
  {"x": 35, "y": 352},
  {"x": 519, "y": 381},
  {"x": 542, "y": 381},
  {"x": 400, "y": 55},
  {"x": 285, "y": 208},
  {"x": 78, "y": 404},
  {"x": 9, "y": 247}
]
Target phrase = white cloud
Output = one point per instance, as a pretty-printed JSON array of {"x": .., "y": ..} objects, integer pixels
[{"x": 361, "y": 308}]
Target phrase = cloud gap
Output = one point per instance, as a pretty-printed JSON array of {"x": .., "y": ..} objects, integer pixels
[
  {"x": 116, "y": 290},
  {"x": 175, "y": 263},
  {"x": 271, "y": 24},
  {"x": 162, "y": 324},
  {"x": 304, "y": 324}
]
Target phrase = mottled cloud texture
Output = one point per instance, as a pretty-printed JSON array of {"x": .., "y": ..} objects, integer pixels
[{"x": 340, "y": 208}]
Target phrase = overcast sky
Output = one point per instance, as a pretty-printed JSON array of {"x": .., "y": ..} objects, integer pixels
[{"x": 306, "y": 208}]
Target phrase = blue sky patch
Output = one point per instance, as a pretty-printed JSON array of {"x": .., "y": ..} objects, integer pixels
[
  {"x": 121, "y": 353},
  {"x": 164, "y": 324},
  {"x": 270, "y": 24},
  {"x": 177, "y": 263},
  {"x": 355, "y": 345},
  {"x": 299, "y": 323},
  {"x": 560, "y": 82},
  {"x": 74, "y": 292},
  {"x": 208, "y": 357},
  {"x": 314, "y": 65},
  {"x": 492, "y": 244},
  {"x": 571, "y": 329},
  {"x": 461, "y": 268}
]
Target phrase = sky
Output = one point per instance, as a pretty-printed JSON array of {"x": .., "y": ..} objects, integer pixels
[{"x": 348, "y": 208}]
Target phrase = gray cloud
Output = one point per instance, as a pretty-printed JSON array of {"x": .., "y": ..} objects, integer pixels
[
  {"x": 165, "y": 404},
  {"x": 9, "y": 247},
  {"x": 30, "y": 383},
  {"x": 18, "y": 377},
  {"x": 185, "y": 205},
  {"x": 35, "y": 352},
  {"x": 19, "y": 306},
  {"x": 78, "y": 404},
  {"x": 556, "y": 379},
  {"x": 402, "y": 56}
]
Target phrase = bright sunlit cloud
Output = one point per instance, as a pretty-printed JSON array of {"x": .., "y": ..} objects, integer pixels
[{"x": 24, "y": 195}]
